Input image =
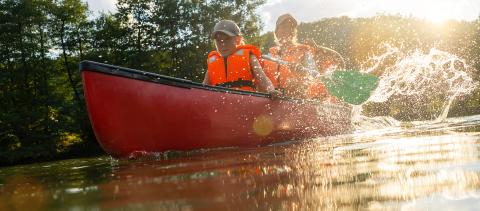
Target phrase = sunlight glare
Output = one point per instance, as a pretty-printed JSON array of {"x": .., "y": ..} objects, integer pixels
[{"x": 436, "y": 13}]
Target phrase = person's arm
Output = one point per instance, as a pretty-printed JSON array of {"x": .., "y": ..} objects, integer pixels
[
  {"x": 327, "y": 53},
  {"x": 332, "y": 55},
  {"x": 263, "y": 82},
  {"x": 206, "y": 80}
]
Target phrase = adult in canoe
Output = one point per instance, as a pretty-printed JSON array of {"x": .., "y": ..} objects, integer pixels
[
  {"x": 234, "y": 64},
  {"x": 297, "y": 78}
]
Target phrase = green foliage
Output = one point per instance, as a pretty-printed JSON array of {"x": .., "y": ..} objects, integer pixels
[
  {"x": 42, "y": 114},
  {"x": 37, "y": 102},
  {"x": 268, "y": 41},
  {"x": 168, "y": 37}
]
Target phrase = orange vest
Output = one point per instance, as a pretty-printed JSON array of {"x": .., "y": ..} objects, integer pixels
[
  {"x": 233, "y": 71},
  {"x": 279, "y": 74}
]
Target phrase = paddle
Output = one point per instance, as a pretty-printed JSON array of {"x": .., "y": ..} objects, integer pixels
[{"x": 350, "y": 86}]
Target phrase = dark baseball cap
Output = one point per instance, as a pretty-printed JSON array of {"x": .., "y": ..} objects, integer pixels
[
  {"x": 285, "y": 17},
  {"x": 228, "y": 27}
]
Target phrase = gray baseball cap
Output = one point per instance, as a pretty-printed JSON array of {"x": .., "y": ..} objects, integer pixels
[
  {"x": 286, "y": 17},
  {"x": 228, "y": 27}
]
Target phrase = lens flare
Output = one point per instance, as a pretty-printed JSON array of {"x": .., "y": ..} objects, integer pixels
[{"x": 263, "y": 125}]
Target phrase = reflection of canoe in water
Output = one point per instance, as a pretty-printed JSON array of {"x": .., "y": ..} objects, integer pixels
[{"x": 134, "y": 111}]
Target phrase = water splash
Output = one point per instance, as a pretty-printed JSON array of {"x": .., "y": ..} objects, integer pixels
[{"x": 418, "y": 75}]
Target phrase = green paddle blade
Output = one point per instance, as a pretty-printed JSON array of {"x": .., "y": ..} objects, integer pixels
[{"x": 351, "y": 86}]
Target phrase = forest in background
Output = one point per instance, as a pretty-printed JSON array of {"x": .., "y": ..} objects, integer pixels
[
  {"x": 359, "y": 39},
  {"x": 42, "y": 112}
]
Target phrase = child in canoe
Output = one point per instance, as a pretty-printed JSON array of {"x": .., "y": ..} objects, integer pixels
[{"x": 235, "y": 65}]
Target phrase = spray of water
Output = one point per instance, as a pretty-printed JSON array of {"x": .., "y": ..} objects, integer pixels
[{"x": 418, "y": 75}]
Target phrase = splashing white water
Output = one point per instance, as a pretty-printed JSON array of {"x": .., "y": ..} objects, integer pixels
[{"x": 419, "y": 75}]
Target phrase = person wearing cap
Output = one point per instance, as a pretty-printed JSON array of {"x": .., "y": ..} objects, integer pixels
[
  {"x": 235, "y": 65},
  {"x": 295, "y": 79}
]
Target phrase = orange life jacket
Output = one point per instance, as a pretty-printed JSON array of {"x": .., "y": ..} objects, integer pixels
[
  {"x": 234, "y": 71},
  {"x": 279, "y": 74}
]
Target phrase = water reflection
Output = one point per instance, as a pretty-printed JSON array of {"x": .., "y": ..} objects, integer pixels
[
  {"x": 408, "y": 169},
  {"x": 418, "y": 167},
  {"x": 65, "y": 184},
  {"x": 325, "y": 173},
  {"x": 21, "y": 189}
]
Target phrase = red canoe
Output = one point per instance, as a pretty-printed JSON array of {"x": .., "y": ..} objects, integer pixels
[{"x": 133, "y": 111}]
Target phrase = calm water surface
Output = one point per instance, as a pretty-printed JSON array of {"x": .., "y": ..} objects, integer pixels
[{"x": 415, "y": 166}]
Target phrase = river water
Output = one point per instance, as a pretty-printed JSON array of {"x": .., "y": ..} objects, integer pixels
[
  {"x": 414, "y": 166},
  {"x": 383, "y": 165}
]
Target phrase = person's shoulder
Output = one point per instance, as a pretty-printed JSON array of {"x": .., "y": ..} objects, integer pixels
[
  {"x": 213, "y": 53},
  {"x": 212, "y": 57},
  {"x": 251, "y": 48},
  {"x": 248, "y": 47}
]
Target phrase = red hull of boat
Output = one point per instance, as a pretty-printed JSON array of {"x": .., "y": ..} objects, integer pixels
[{"x": 133, "y": 111}]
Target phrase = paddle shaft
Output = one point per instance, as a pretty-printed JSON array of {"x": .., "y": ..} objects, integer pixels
[{"x": 288, "y": 64}]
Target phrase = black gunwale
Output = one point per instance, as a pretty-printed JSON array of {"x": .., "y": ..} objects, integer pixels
[{"x": 157, "y": 78}]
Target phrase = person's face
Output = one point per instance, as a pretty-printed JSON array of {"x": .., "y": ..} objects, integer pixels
[
  {"x": 226, "y": 45},
  {"x": 285, "y": 32}
]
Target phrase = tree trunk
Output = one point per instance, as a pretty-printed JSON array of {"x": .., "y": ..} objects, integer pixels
[
  {"x": 173, "y": 32},
  {"x": 80, "y": 47},
  {"x": 23, "y": 57},
  {"x": 65, "y": 61},
  {"x": 45, "y": 91}
]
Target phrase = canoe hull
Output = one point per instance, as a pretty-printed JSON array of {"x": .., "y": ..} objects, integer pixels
[{"x": 135, "y": 113}]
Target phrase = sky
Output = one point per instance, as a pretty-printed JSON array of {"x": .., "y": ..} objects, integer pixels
[
  {"x": 102, "y": 5},
  {"x": 436, "y": 11}
]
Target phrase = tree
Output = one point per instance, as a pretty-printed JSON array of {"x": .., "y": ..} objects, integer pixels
[
  {"x": 25, "y": 102},
  {"x": 68, "y": 16}
]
